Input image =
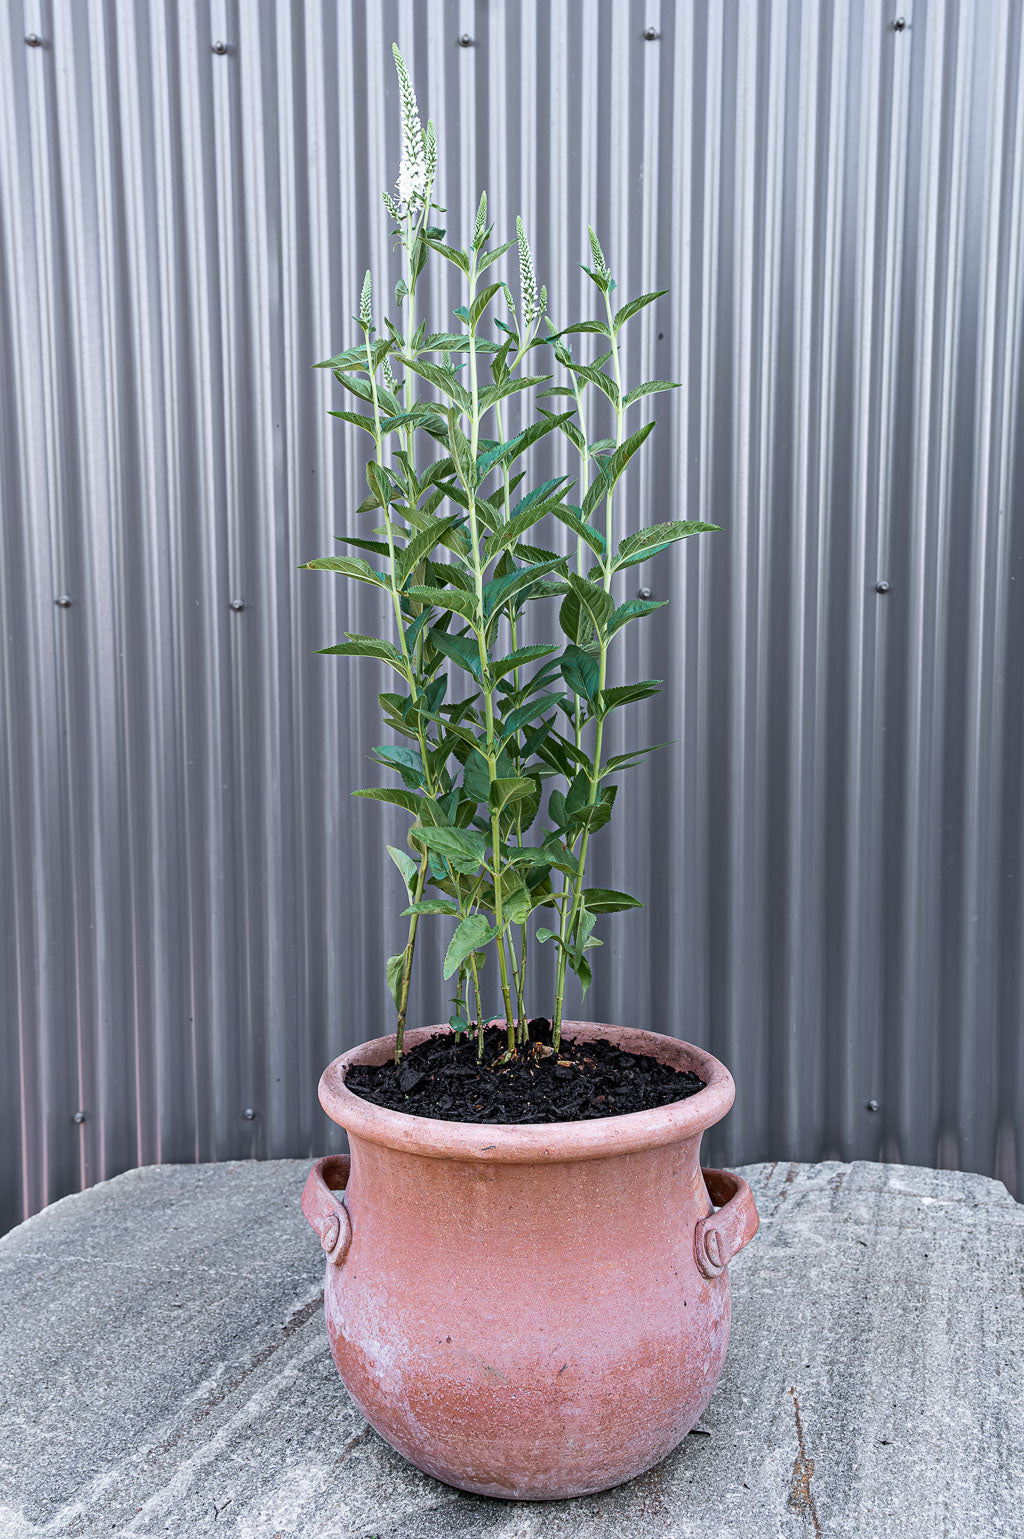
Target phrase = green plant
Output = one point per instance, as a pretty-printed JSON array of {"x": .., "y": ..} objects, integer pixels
[{"x": 501, "y": 762}]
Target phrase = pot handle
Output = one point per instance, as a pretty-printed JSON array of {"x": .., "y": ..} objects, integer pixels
[
  {"x": 324, "y": 1210},
  {"x": 723, "y": 1234}
]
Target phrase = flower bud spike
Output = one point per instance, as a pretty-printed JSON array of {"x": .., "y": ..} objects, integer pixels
[
  {"x": 600, "y": 265},
  {"x": 366, "y": 303},
  {"x": 430, "y": 152},
  {"x": 527, "y": 281},
  {"x": 412, "y": 171}
]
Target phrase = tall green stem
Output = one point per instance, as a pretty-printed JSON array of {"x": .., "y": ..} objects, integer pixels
[
  {"x": 568, "y": 927},
  {"x": 485, "y": 680}
]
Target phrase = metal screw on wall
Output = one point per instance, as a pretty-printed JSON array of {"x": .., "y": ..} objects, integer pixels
[
  {"x": 249, "y": 1114},
  {"x": 881, "y": 587},
  {"x": 872, "y": 1105},
  {"x": 237, "y": 605},
  {"x": 900, "y": 24},
  {"x": 62, "y": 601},
  {"x": 79, "y": 1117},
  {"x": 465, "y": 41},
  {"x": 651, "y": 35},
  {"x": 643, "y": 593},
  {"x": 220, "y": 47},
  {"x": 34, "y": 40}
]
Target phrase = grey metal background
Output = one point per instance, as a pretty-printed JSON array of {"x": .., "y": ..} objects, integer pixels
[{"x": 194, "y": 914}]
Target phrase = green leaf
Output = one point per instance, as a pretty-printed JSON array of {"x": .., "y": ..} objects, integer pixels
[
  {"x": 529, "y": 712},
  {"x": 367, "y": 646},
  {"x": 570, "y": 516},
  {"x": 598, "y": 604},
  {"x": 408, "y": 800},
  {"x": 406, "y": 865},
  {"x": 431, "y": 906},
  {"x": 378, "y": 547},
  {"x": 357, "y": 419},
  {"x": 580, "y": 671},
  {"x": 500, "y": 589},
  {"x": 616, "y": 463},
  {"x": 472, "y": 934},
  {"x": 635, "y": 756},
  {"x": 605, "y": 900},
  {"x": 517, "y": 658},
  {"x": 461, "y": 649},
  {"x": 459, "y": 258},
  {"x": 634, "y": 306},
  {"x": 402, "y": 759},
  {"x": 452, "y": 599},
  {"x": 422, "y": 544},
  {"x": 633, "y": 609},
  {"x": 659, "y": 535},
  {"x": 442, "y": 379},
  {"x": 481, "y": 302},
  {"x": 649, "y": 387},
  {"x": 462, "y": 848},
  {"x": 347, "y": 566},
  {"x": 502, "y": 792},
  {"x": 626, "y": 694},
  {"x": 486, "y": 258},
  {"x": 577, "y": 326},
  {"x": 395, "y": 969}
]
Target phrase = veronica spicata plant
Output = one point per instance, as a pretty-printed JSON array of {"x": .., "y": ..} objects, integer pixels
[{"x": 500, "y": 742}]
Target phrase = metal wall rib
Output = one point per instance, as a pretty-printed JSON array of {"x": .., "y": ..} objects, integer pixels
[{"x": 194, "y": 915}]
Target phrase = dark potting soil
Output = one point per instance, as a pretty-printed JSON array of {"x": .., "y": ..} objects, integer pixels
[{"x": 442, "y": 1078}]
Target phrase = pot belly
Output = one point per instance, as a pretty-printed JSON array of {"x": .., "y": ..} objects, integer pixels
[{"x": 548, "y": 1396}]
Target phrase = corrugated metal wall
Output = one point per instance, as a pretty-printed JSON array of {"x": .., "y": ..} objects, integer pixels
[{"x": 194, "y": 914}]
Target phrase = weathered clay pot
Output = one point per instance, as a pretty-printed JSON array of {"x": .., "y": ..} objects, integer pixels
[{"x": 530, "y": 1312}]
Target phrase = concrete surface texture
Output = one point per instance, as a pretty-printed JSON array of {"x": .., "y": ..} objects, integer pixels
[{"x": 164, "y": 1370}]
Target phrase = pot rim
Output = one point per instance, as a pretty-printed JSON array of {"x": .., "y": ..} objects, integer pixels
[{"x": 533, "y": 1142}]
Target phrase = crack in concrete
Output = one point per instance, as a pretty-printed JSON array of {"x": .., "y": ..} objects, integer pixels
[{"x": 801, "y": 1497}]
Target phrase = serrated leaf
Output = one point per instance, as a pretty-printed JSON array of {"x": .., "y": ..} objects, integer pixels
[
  {"x": 626, "y": 694},
  {"x": 598, "y": 604},
  {"x": 462, "y": 848},
  {"x": 635, "y": 755},
  {"x": 441, "y": 378},
  {"x": 633, "y": 609},
  {"x": 367, "y": 646},
  {"x": 659, "y": 535},
  {"x": 517, "y": 659},
  {"x": 471, "y": 935},
  {"x": 502, "y": 792},
  {"x": 451, "y": 599},
  {"x": 431, "y": 906},
  {"x": 408, "y": 800},
  {"x": 461, "y": 649},
  {"x": 518, "y": 718},
  {"x": 459, "y": 258},
  {"x": 347, "y": 566},
  {"x": 357, "y": 419},
  {"x": 578, "y": 326},
  {"x": 500, "y": 589},
  {"x": 422, "y": 544},
  {"x": 580, "y": 671},
  {"x": 605, "y": 900},
  {"x": 407, "y": 867},
  {"x": 649, "y": 387},
  {"x": 634, "y": 306},
  {"x": 481, "y": 302},
  {"x": 486, "y": 258},
  {"x": 394, "y": 971}
]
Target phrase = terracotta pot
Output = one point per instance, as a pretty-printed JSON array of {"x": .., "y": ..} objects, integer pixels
[{"x": 530, "y": 1312}]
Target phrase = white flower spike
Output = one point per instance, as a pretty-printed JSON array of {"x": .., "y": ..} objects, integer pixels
[{"x": 413, "y": 180}]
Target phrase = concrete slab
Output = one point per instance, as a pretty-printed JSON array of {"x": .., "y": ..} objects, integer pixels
[{"x": 164, "y": 1371}]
